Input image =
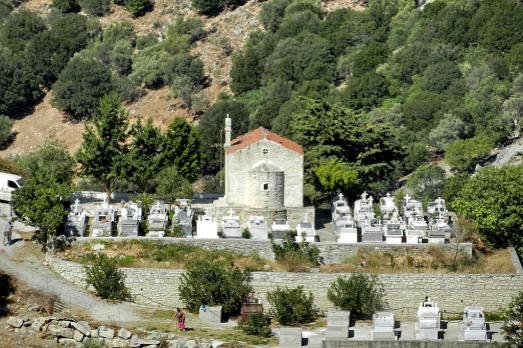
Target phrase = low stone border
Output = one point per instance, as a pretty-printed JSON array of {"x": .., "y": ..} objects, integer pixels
[{"x": 70, "y": 332}]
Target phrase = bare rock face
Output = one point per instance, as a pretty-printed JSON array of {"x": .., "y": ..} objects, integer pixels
[{"x": 15, "y": 322}]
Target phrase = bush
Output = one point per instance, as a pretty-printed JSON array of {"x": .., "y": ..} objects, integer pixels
[
  {"x": 360, "y": 294},
  {"x": 106, "y": 278},
  {"x": 66, "y": 6},
  {"x": 257, "y": 324},
  {"x": 463, "y": 155},
  {"x": 292, "y": 306},
  {"x": 246, "y": 233},
  {"x": 138, "y": 7},
  {"x": 95, "y": 7},
  {"x": 290, "y": 249},
  {"x": 214, "y": 282},
  {"x": 92, "y": 343},
  {"x": 6, "y": 124},
  {"x": 513, "y": 320}
]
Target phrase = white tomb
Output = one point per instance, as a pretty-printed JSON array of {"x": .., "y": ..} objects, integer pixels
[
  {"x": 372, "y": 232},
  {"x": 474, "y": 327},
  {"x": 416, "y": 230},
  {"x": 157, "y": 219},
  {"x": 129, "y": 220},
  {"x": 231, "y": 227},
  {"x": 305, "y": 231},
  {"x": 76, "y": 223},
  {"x": 104, "y": 220},
  {"x": 206, "y": 227},
  {"x": 340, "y": 208},
  {"x": 347, "y": 231},
  {"x": 393, "y": 229},
  {"x": 363, "y": 210},
  {"x": 388, "y": 207},
  {"x": 258, "y": 228},
  {"x": 383, "y": 326},
  {"x": 428, "y": 321},
  {"x": 279, "y": 227}
]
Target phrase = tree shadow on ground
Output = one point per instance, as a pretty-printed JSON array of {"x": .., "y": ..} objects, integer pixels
[{"x": 6, "y": 288}]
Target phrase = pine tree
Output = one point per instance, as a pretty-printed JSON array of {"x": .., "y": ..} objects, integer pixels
[
  {"x": 182, "y": 149},
  {"x": 104, "y": 143}
]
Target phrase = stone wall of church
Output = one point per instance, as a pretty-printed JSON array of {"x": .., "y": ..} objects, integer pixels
[
  {"x": 402, "y": 292},
  {"x": 241, "y": 162}
]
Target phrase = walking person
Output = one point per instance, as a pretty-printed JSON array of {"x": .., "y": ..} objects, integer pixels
[
  {"x": 8, "y": 230},
  {"x": 180, "y": 317}
]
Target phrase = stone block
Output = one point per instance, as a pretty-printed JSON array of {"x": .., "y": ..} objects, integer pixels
[
  {"x": 15, "y": 322},
  {"x": 60, "y": 331},
  {"x": 341, "y": 332},
  {"x": 78, "y": 336},
  {"x": 105, "y": 332},
  {"x": 94, "y": 332},
  {"x": 211, "y": 314},
  {"x": 65, "y": 323},
  {"x": 338, "y": 318},
  {"x": 191, "y": 344},
  {"x": 37, "y": 325},
  {"x": 124, "y": 333},
  {"x": 290, "y": 337},
  {"x": 383, "y": 335},
  {"x": 83, "y": 327},
  {"x": 69, "y": 342},
  {"x": 121, "y": 343}
]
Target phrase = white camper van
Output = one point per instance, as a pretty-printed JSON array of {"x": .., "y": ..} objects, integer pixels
[{"x": 9, "y": 183}]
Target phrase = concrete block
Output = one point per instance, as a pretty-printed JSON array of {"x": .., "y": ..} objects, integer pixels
[
  {"x": 211, "y": 314},
  {"x": 338, "y": 318},
  {"x": 383, "y": 335},
  {"x": 341, "y": 332},
  {"x": 290, "y": 337}
]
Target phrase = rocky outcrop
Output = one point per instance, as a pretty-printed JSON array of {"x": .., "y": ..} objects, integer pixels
[{"x": 71, "y": 333}]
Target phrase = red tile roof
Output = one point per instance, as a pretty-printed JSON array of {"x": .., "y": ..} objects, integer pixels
[{"x": 258, "y": 134}]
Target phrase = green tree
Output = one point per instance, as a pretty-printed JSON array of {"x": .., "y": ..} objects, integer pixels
[
  {"x": 257, "y": 324},
  {"x": 492, "y": 200},
  {"x": 143, "y": 158},
  {"x": 427, "y": 182},
  {"x": 335, "y": 175},
  {"x": 181, "y": 149},
  {"x": 360, "y": 294},
  {"x": 48, "y": 52},
  {"x": 6, "y": 125},
  {"x": 50, "y": 162},
  {"x": 150, "y": 67},
  {"x": 272, "y": 12},
  {"x": 463, "y": 155},
  {"x": 292, "y": 306},
  {"x": 20, "y": 27},
  {"x": 513, "y": 319},
  {"x": 104, "y": 143},
  {"x": 365, "y": 92},
  {"x": 211, "y": 134},
  {"x": 449, "y": 129},
  {"x": 213, "y": 282},
  {"x": 80, "y": 86},
  {"x": 41, "y": 201},
  {"x": 171, "y": 185}
]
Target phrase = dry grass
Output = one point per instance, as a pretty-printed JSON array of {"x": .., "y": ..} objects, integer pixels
[{"x": 435, "y": 260}]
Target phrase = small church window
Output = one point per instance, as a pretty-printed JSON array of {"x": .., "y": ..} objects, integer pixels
[
  {"x": 265, "y": 187},
  {"x": 265, "y": 151}
]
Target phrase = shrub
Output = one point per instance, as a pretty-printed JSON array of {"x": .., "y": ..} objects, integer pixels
[
  {"x": 95, "y": 7},
  {"x": 66, "y": 6},
  {"x": 289, "y": 248},
  {"x": 106, "y": 278},
  {"x": 214, "y": 282},
  {"x": 92, "y": 343},
  {"x": 513, "y": 320},
  {"x": 257, "y": 324},
  {"x": 292, "y": 306},
  {"x": 6, "y": 125},
  {"x": 246, "y": 233},
  {"x": 463, "y": 155},
  {"x": 360, "y": 294},
  {"x": 138, "y": 7}
]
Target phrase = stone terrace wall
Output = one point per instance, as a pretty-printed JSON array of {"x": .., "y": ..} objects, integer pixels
[
  {"x": 331, "y": 252},
  {"x": 403, "y": 292}
]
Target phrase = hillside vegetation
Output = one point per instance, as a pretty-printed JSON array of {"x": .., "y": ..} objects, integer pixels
[{"x": 372, "y": 94}]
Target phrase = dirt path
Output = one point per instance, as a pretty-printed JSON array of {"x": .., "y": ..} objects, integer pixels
[{"x": 27, "y": 267}]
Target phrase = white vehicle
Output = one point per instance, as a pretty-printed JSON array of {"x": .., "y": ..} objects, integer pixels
[{"x": 8, "y": 184}]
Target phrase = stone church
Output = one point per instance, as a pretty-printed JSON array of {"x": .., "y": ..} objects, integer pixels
[{"x": 263, "y": 177}]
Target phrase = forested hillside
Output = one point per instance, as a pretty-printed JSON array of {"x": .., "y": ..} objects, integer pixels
[{"x": 373, "y": 94}]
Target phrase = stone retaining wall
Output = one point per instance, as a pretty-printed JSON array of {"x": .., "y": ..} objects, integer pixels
[
  {"x": 403, "y": 292},
  {"x": 407, "y": 344},
  {"x": 331, "y": 252}
]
